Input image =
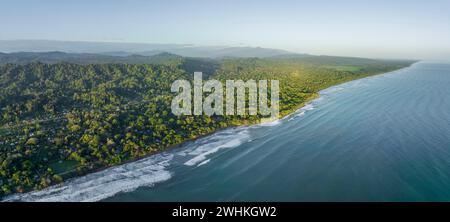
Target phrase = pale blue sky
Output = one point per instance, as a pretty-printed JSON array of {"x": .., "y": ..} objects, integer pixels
[{"x": 381, "y": 28}]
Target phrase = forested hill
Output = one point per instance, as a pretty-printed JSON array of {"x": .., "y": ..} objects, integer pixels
[
  {"x": 62, "y": 118},
  {"x": 85, "y": 58}
]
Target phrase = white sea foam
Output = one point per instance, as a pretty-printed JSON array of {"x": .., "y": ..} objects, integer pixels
[
  {"x": 307, "y": 107},
  {"x": 130, "y": 176},
  {"x": 271, "y": 123},
  {"x": 106, "y": 183},
  {"x": 302, "y": 111},
  {"x": 333, "y": 89},
  {"x": 218, "y": 141},
  {"x": 204, "y": 162}
]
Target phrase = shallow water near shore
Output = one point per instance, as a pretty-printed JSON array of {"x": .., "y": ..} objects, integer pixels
[{"x": 382, "y": 138}]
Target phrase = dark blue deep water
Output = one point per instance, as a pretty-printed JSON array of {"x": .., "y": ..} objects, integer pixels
[{"x": 382, "y": 138}]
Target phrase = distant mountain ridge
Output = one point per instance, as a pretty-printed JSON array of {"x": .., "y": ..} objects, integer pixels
[{"x": 144, "y": 49}]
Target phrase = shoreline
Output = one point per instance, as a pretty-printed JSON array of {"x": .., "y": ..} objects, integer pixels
[
  {"x": 170, "y": 148},
  {"x": 315, "y": 96}
]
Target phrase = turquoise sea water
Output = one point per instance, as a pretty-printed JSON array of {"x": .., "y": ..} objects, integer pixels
[{"x": 382, "y": 138}]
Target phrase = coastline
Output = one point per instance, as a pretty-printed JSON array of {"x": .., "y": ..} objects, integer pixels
[
  {"x": 283, "y": 115},
  {"x": 314, "y": 96}
]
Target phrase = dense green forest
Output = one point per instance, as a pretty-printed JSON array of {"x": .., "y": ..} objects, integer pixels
[{"x": 65, "y": 118}]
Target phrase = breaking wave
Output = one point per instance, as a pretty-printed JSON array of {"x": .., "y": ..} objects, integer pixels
[
  {"x": 204, "y": 162},
  {"x": 141, "y": 173},
  {"x": 200, "y": 149},
  {"x": 105, "y": 183}
]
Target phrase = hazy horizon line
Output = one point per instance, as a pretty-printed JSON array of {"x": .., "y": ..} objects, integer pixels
[{"x": 187, "y": 45}]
